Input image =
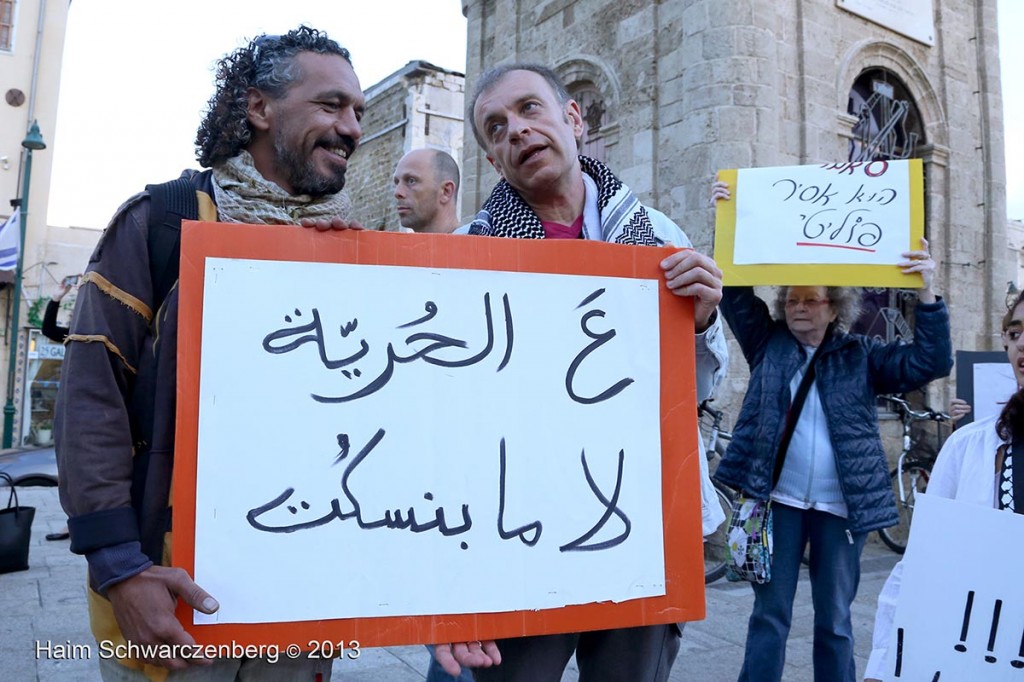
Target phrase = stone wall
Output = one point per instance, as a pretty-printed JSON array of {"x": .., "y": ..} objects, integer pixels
[
  {"x": 700, "y": 85},
  {"x": 384, "y": 141},
  {"x": 418, "y": 106}
]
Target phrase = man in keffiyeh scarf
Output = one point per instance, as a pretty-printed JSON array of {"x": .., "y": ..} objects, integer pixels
[{"x": 528, "y": 125}]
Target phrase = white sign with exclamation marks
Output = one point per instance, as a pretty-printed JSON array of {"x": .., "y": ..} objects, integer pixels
[{"x": 960, "y": 614}]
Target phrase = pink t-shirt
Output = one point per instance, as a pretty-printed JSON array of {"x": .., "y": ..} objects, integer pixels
[{"x": 560, "y": 231}]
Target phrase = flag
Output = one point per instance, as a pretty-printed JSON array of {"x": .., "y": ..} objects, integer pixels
[{"x": 10, "y": 240}]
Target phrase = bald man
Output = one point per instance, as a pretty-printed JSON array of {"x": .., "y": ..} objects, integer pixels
[{"x": 426, "y": 191}]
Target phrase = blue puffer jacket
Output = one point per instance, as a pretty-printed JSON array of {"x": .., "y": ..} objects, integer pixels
[{"x": 851, "y": 371}]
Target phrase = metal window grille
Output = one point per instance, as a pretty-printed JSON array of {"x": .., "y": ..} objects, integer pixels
[
  {"x": 595, "y": 116},
  {"x": 888, "y": 127}
]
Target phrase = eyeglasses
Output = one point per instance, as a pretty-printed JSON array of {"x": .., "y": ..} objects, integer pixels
[
  {"x": 806, "y": 302},
  {"x": 262, "y": 44}
]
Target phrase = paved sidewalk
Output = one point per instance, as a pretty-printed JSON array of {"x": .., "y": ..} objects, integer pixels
[{"x": 47, "y": 604}]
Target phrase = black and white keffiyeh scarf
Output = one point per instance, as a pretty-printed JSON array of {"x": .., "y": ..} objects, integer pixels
[
  {"x": 1006, "y": 500},
  {"x": 623, "y": 219}
]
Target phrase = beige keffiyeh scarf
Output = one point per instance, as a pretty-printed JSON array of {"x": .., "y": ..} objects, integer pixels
[{"x": 245, "y": 196}]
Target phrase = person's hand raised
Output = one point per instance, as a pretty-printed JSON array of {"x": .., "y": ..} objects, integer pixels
[{"x": 921, "y": 261}]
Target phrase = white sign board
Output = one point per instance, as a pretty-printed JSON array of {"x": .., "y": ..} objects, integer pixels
[
  {"x": 994, "y": 384},
  {"x": 45, "y": 350},
  {"x": 912, "y": 18},
  {"x": 960, "y": 614},
  {"x": 848, "y": 213},
  {"x": 985, "y": 380},
  {"x": 370, "y": 408}
]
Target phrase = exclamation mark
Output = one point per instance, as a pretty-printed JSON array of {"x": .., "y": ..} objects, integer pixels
[
  {"x": 992, "y": 633},
  {"x": 899, "y": 652},
  {"x": 961, "y": 647},
  {"x": 1020, "y": 654}
]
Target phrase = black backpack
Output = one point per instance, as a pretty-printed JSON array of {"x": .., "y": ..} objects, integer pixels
[{"x": 170, "y": 203}]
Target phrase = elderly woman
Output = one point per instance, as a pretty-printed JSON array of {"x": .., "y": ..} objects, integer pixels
[
  {"x": 975, "y": 466},
  {"x": 833, "y": 487}
]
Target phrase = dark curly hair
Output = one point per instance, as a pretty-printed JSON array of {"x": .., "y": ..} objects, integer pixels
[
  {"x": 267, "y": 63},
  {"x": 1011, "y": 419}
]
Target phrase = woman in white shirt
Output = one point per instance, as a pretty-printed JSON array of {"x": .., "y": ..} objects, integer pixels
[{"x": 976, "y": 466}]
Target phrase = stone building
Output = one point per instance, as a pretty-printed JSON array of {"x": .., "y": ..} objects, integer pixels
[
  {"x": 673, "y": 91},
  {"x": 1015, "y": 237},
  {"x": 32, "y": 36},
  {"x": 418, "y": 106}
]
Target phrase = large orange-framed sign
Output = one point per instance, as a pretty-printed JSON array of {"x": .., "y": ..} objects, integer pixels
[
  {"x": 832, "y": 224},
  {"x": 398, "y": 439}
]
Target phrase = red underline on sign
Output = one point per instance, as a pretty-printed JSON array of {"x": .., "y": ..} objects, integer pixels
[{"x": 837, "y": 246}]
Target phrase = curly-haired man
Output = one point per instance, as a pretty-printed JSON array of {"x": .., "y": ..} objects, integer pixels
[{"x": 276, "y": 142}]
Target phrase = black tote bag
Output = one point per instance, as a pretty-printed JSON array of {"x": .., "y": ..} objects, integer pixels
[{"x": 15, "y": 531}]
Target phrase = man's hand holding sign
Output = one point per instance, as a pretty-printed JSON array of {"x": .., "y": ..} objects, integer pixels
[{"x": 689, "y": 273}]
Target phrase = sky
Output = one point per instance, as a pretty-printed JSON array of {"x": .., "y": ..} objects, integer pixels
[{"x": 119, "y": 126}]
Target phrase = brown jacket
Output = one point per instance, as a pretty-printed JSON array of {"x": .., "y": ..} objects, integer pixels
[{"x": 116, "y": 405}]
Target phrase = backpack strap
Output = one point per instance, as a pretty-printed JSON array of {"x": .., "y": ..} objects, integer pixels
[
  {"x": 170, "y": 203},
  {"x": 793, "y": 415}
]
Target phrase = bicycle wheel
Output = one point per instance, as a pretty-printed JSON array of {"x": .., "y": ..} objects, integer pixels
[
  {"x": 716, "y": 546},
  {"x": 915, "y": 480}
]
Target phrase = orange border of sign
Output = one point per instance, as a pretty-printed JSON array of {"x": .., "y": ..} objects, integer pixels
[{"x": 684, "y": 598}]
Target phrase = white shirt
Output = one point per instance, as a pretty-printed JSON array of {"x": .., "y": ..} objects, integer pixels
[{"x": 809, "y": 478}]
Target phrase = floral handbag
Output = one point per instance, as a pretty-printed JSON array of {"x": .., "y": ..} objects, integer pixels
[{"x": 749, "y": 541}]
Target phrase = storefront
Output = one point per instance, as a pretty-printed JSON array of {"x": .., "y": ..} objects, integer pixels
[{"x": 42, "y": 377}]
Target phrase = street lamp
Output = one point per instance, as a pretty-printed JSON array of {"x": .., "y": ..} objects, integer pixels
[{"x": 33, "y": 142}]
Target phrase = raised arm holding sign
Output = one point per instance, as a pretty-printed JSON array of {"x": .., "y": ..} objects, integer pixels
[{"x": 826, "y": 481}]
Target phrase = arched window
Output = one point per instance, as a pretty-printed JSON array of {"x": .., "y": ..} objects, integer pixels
[
  {"x": 888, "y": 123},
  {"x": 888, "y": 126},
  {"x": 595, "y": 117}
]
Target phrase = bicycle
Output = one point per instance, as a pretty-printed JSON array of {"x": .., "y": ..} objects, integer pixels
[
  {"x": 912, "y": 471},
  {"x": 716, "y": 545}
]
